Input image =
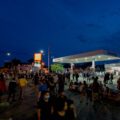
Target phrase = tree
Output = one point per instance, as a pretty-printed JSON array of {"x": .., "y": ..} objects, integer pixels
[
  {"x": 15, "y": 62},
  {"x": 57, "y": 67},
  {"x": 67, "y": 65},
  {"x": 7, "y": 65},
  {"x": 30, "y": 61}
]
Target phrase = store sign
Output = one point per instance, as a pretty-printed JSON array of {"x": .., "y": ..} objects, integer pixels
[
  {"x": 37, "y": 65},
  {"x": 37, "y": 57},
  {"x": 57, "y": 60}
]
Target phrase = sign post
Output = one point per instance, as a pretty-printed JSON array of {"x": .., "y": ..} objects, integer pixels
[{"x": 38, "y": 60}]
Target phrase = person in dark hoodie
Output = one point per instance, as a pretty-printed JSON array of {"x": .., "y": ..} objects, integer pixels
[
  {"x": 12, "y": 90},
  {"x": 71, "y": 111},
  {"x": 44, "y": 109}
]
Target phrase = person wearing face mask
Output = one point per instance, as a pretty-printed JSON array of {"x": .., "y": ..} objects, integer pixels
[{"x": 44, "y": 109}]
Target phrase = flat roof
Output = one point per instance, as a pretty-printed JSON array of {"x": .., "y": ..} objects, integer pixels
[{"x": 98, "y": 55}]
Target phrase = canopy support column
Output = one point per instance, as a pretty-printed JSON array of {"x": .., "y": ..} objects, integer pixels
[
  {"x": 93, "y": 64},
  {"x": 71, "y": 76}
]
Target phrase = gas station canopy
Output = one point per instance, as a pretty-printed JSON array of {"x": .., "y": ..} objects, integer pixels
[{"x": 98, "y": 55}]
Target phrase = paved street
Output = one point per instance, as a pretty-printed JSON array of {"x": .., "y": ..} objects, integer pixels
[
  {"x": 106, "y": 111},
  {"x": 21, "y": 110},
  {"x": 26, "y": 109}
]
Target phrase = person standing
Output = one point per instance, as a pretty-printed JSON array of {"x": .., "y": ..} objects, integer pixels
[
  {"x": 95, "y": 93},
  {"x": 118, "y": 84},
  {"x": 22, "y": 82},
  {"x": 61, "y": 82},
  {"x": 12, "y": 89},
  {"x": 2, "y": 85},
  {"x": 77, "y": 76},
  {"x": 61, "y": 110},
  {"x": 44, "y": 109},
  {"x": 68, "y": 76},
  {"x": 52, "y": 86},
  {"x": 73, "y": 75},
  {"x": 71, "y": 111},
  {"x": 36, "y": 81},
  {"x": 84, "y": 92},
  {"x": 42, "y": 87},
  {"x": 111, "y": 77}
]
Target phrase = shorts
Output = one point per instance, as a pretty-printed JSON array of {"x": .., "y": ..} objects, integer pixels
[{"x": 95, "y": 96}]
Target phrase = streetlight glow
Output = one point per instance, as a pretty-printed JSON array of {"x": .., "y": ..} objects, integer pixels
[
  {"x": 42, "y": 51},
  {"x": 8, "y": 54}
]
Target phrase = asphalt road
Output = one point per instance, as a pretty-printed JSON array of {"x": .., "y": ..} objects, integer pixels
[{"x": 26, "y": 109}]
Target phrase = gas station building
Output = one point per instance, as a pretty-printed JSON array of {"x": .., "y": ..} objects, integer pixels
[{"x": 93, "y": 56}]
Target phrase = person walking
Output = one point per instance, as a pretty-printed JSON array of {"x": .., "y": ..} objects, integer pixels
[
  {"x": 77, "y": 76},
  {"x": 61, "y": 110},
  {"x": 42, "y": 87},
  {"x": 44, "y": 109},
  {"x": 111, "y": 78},
  {"x": 118, "y": 84},
  {"x": 22, "y": 82},
  {"x": 95, "y": 93},
  {"x": 84, "y": 92},
  {"x": 61, "y": 82},
  {"x": 71, "y": 111},
  {"x": 2, "y": 86},
  {"x": 12, "y": 90}
]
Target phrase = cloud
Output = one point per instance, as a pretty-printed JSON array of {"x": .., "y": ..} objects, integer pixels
[
  {"x": 91, "y": 25},
  {"x": 102, "y": 16},
  {"x": 115, "y": 12},
  {"x": 81, "y": 38},
  {"x": 112, "y": 42}
]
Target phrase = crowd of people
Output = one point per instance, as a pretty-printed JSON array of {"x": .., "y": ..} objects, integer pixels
[
  {"x": 52, "y": 103},
  {"x": 95, "y": 91},
  {"x": 91, "y": 92}
]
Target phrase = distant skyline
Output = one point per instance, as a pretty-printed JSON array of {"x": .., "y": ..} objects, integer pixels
[{"x": 68, "y": 26}]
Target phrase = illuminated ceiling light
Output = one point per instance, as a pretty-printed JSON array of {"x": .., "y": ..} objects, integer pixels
[
  {"x": 99, "y": 56},
  {"x": 109, "y": 58},
  {"x": 76, "y": 59}
]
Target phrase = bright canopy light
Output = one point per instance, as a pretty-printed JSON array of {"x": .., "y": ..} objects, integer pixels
[
  {"x": 99, "y": 56},
  {"x": 109, "y": 58}
]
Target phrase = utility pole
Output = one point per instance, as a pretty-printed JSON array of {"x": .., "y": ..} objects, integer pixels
[{"x": 48, "y": 58}]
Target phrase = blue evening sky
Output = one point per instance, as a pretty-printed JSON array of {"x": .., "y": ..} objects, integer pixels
[{"x": 69, "y": 26}]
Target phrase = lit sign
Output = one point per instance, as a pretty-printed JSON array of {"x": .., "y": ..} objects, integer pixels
[
  {"x": 37, "y": 65},
  {"x": 37, "y": 57},
  {"x": 57, "y": 60}
]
